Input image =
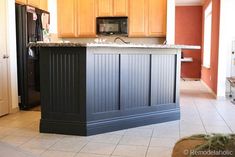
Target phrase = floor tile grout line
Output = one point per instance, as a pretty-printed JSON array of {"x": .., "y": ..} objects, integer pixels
[
  {"x": 62, "y": 151},
  {"x": 200, "y": 116},
  {"x": 180, "y": 129},
  {"x": 89, "y": 141},
  {"x": 77, "y": 152},
  {"x": 48, "y": 149},
  {"x": 26, "y": 141},
  {"x": 222, "y": 117},
  {"x": 81, "y": 149},
  {"x": 146, "y": 153},
  {"x": 195, "y": 104},
  {"x": 93, "y": 154},
  {"x": 118, "y": 143},
  {"x": 20, "y": 146}
]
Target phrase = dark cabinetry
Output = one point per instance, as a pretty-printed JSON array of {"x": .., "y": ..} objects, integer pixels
[{"x": 89, "y": 90}]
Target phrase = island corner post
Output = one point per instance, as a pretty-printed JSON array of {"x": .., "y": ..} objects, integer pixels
[{"x": 91, "y": 90}]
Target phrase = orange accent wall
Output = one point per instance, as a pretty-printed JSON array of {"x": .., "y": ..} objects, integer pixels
[
  {"x": 210, "y": 76},
  {"x": 188, "y": 31}
]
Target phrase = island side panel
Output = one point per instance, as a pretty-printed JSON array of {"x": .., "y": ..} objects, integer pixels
[
  {"x": 119, "y": 82},
  {"x": 63, "y": 89}
]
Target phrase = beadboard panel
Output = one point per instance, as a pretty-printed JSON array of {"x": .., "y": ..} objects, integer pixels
[
  {"x": 135, "y": 80},
  {"x": 65, "y": 82},
  {"x": 106, "y": 83},
  {"x": 163, "y": 76}
]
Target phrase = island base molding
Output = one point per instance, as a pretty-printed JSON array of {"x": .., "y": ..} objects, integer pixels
[{"x": 108, "y": 125}]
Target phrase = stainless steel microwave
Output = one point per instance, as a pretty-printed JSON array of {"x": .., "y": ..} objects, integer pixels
[{"x": 112, "y": 26}]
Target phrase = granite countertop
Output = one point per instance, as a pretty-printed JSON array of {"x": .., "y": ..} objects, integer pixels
[{"x": 113, "y": 45}]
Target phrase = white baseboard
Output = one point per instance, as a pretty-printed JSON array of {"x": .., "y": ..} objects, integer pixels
[
  {"x": 190, "y": 79},
  {"x": 211, "y": 91},
  {"x": 221, "y": 98},
  {"x": 14, "y": 110}
]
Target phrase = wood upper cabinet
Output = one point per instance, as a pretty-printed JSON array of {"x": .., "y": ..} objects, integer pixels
[
  {"x": 112, "y": 7},
  {"x": 35, "y": 3},
  {"x": 21, "y": 1},
  {"x": 77, "y": 18},
  {"x": 157, "y": 18},
  {"x": 105, "y": 7},
  {"x": 147, "y": 18},
  {"x": 138, "y": 18},
  {"x": 67, "y": 18},
  {"x": 86, "y": 18},
  {"x": 44, "y": 5},
  {"x": 120, "y": 7},
  {"x": 41, "y": 4}
]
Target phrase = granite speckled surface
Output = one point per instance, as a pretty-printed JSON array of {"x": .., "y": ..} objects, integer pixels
[
  {"x": 154, "y": 46},
  {"x": 59, "y": 44}
]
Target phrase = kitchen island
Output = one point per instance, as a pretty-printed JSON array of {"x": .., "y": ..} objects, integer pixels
[{"x": 88, "y": 89}]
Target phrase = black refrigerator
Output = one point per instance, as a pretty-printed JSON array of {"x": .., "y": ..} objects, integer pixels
[{"x": 29, "y": 28}]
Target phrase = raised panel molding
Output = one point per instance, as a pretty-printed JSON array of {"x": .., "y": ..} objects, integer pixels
[
  {"x": 67, "y": 18},
  {"x": 135, "y": 80},
  {"x": 162, "y": 82},
  {"x": 86, "y": 18},
  {"x": 105, "y": 7},
  {"x": 106, "y": 83}
]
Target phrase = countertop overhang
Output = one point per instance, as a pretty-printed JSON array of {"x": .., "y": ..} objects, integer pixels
[{"x": 114, "y": 45}]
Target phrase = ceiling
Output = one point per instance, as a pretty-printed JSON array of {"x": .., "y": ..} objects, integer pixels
[{"x": 188, "y": 2}]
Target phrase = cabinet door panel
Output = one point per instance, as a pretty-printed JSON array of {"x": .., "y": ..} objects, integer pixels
[
  {"x": 86, "y": 18},
  {"x": 157, "y": 18},
  {"x": 138, "y": 18},
  {"x": 21, "y": 1},
  {"x": 120, "y": 7},
  {"x": 35, "y": 3},
  {"x": 67, "y": 18},
  {"x": 44, "y": 5},
  {"x": 105, "y": 7}
]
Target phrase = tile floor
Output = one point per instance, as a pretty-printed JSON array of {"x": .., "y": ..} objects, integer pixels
[{"x": 200, "y": 113}]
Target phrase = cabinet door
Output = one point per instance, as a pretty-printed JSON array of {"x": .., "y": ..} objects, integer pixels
[
  {"x": 67, "y": 18},
  {"x": 157, "y": 18},
  {"x": 35, "y": 3},
  {"x": 105, "y": 7},
  {"x": 4, "y": 99},
  {"x": 138, "y": 18},
  {"x": 21, "y": 1},
  {"x": 86, "y": 18},
  {"x": 120, "y": 7},
  {"x": 44, "y": 4}
]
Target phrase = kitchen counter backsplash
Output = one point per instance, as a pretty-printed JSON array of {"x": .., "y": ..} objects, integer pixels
[{"x": 108, "y": 39}]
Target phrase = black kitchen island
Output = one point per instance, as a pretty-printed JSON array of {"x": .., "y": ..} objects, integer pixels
[{"x": 88, "y": 89}]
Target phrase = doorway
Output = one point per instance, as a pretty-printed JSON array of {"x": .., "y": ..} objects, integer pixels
[{"x": 4, "y": 93}]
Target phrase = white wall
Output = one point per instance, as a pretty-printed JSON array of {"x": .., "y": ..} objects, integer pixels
[
  {"x": 227, "y": 34},
  {"x": 170, "y": 35},
  {"x": 52, "y": 8},
  {"x": 11, "y": 51}
]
